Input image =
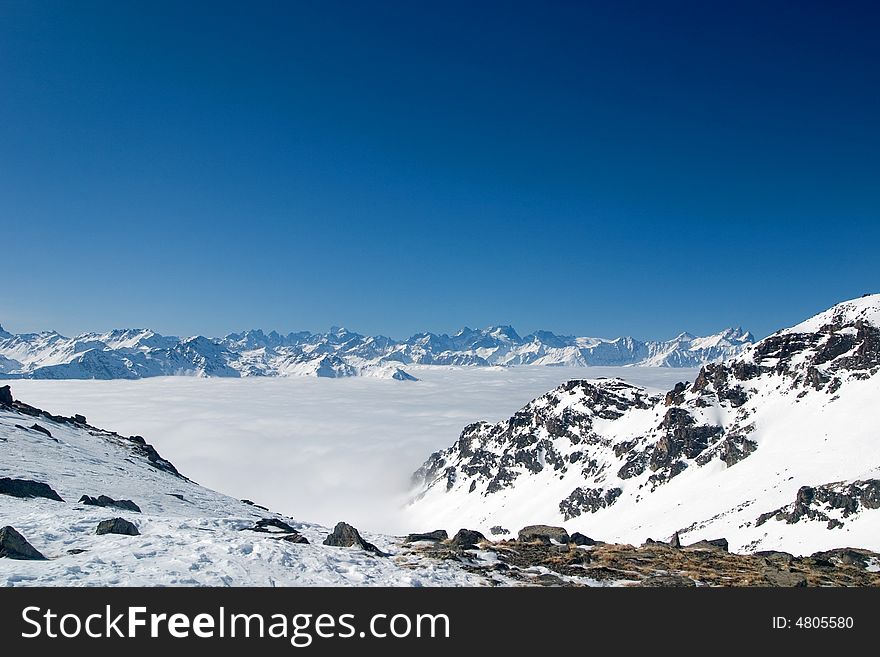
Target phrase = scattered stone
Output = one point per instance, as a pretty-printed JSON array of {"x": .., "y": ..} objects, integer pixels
[
  {"x": 667, "y": 581},
  {"x": 579, "y": 539},
  {"x": 344, "y": 535},
  {"x": 467, "y": 539},
  {"x": 117, "y": 526},
  {"x": 543, "y": 533},
  {"x": 104, "y": 501},
  {"x": 27, "y": 488},
  {"x": 14, "y": 546},
  {"x": 436, "y": 535}
]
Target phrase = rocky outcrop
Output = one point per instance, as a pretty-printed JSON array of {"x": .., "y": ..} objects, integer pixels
[
  {"x": 543, "y": 533},
  {"x": 467, "y": 539},
  {"x": 104, "y": 501},
  {"x": 820, "y": 503},
  {"x": 6, "y": 396},
  {"x": 26, "y": 488},
  {"x": 344, "y": 535},
  {"x": 271, "y": 525},
  {"x": 117, "y": 526},
  {"x": 14, "y": 546},
  {"x": 436, "y": 535}
]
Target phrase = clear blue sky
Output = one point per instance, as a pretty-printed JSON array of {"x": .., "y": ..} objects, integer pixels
[{"x": 593, "y": 168}]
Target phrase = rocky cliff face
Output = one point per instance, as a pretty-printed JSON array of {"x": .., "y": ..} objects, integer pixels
[{"x": 791, "y": 414}]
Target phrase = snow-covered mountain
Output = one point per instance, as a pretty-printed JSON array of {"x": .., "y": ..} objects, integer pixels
[
  {"x": 774, "y": 449},
  {"x": 138, "y": 353}
]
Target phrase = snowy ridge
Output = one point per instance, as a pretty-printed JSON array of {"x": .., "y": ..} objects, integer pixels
[
  {"x": 188, "y": 534},
  {"x": 775, "y": 449},
  {"x": 140, "y": 353}
]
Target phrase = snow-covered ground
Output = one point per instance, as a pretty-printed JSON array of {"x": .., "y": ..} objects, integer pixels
[{"x": 319, "y": 449}]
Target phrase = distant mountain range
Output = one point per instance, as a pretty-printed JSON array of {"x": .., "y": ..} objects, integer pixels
[{"x": 139, "y": 353}]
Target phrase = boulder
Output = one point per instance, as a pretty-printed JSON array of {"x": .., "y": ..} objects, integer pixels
[
  {"x": 27, "y": 488},
  {"x": 436, "y": 535},
  {"x": 43, "y": 430},
  {"x": 467, "y": 539},
  {"x": 783, "y": 578},
  {"x": 714, "y": 544},
  {"x": 675, "y": 541},
  {"x": 498, "y": 530},
  {"x": 579, "y": 539},
  {"x": 6, "y": 396},
  {"x": 295, "y": 537},
  {"x": 273, "y": 525},
  {"x": 104, "y": 501},
  {"x": 117, "y": 526},
  {"x": 543, "y": 533},
  {"x": 344, "y": 535},
  {"x": 14, "y": 546}
]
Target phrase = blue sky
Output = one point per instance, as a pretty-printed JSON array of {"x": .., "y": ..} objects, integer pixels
[{"x": 589, "y": 168}]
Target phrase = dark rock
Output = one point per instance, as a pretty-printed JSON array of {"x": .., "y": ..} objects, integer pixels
[
  {"x": 295, "y": 537},
  {"x": 6, "y": 396},
  {"x": 675, "y": 541},
  {"x": 344, "y": 535},
  {"x": 79, "y": 419},
  {"x": 467, "y": 539},
  {"x": 783, "y": 578},
  {"x": 579, "y": 539},
  {"x": 14, "y": 546},
  {"x": 714, "y": 544},
  {"x": 498, "y": 530},
  {"x": 269, "y": 525},
  {"x": 776, "y": 556},
  {"x": 117, "y": 526},
  {"x": 103, "y": 500},
  {"x": 667, "y": 581},
  {"x": 543, "y": 533},
  {"x": 27, "y": 488},
  {"x": 43, "y": 430},
  {"x": 549, "y": 580},
  {"x": 436, "y": 535},
  {"x": 75, "y": 551},
  {"x": 250, "y": 503},
  {"x": 587, "y": 500},
  {"x": 675, "y": 396}
]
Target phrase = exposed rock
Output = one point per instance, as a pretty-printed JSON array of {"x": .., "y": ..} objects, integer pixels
[
  {"x": 43, "y": 430},
  {"x": 295, "y": 537},
  {"x": 467, "y": 539},
  {"x": 14, "y": 546},
  {"x": 675, "y": 396},
  {"x": 675, "y": 541},
  {"x": 27, "y": 488},
  {"x": 344, "y": 535},
  {"x": 783, "y": 578},
  {"x": 103, "y": 500},
  {"x": 813, "y": 503},
  {"x": 271, "y": 525},
  {"x": 250, "y": 503},
  {"x": 587, "y": 500},
  {"x": 580, "y": 539},
  {"x": 436, "y": 535},
  {"x": 714, "y": 544},
  {"x": 117, "y": 526},
  {"x": 543, "y": 533},
  {"x": 498, "y": 530},
  {"x": 6, "y": 396}
]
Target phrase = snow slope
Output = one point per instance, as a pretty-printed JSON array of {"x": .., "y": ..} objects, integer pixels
[
  {"x": 775, "y": 449},
  {"x": 141, "y": 353},
  {"x": 189, "y": 535}
]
